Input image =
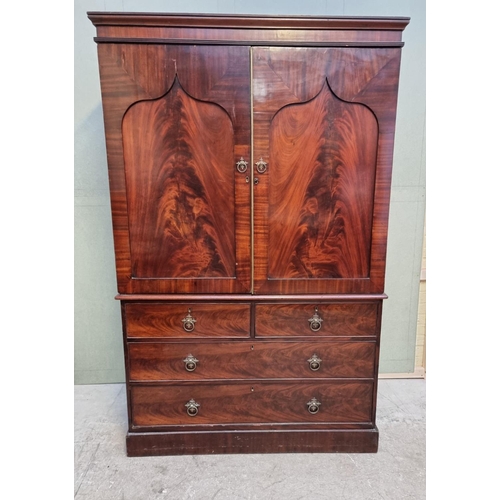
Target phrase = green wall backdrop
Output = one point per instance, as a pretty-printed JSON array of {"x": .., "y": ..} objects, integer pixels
[{"x": 98, "y": 338}]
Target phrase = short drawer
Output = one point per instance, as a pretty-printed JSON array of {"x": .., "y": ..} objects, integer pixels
[
  {"x": 318, "y": 401},
  {"x": 342, "y": 319},
  {"x": 240, "y": 360},
  {"x": 187, "y": 320}
]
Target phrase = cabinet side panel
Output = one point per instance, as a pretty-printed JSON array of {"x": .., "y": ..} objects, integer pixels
[{"x": 121, "y": 86}]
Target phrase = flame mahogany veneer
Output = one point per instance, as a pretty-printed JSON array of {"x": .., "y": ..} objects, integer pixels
[{"x": 250, "y": 162}]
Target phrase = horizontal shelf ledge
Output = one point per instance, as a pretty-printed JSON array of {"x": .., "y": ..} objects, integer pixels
[
  {"x": 246, "y": 42},
  {"x": 251, "y": 298}
]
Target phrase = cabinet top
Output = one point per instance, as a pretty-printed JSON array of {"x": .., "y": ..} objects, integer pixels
[
  {"x": 234, "y": 29},
  {"x": 247, "y": 21}
]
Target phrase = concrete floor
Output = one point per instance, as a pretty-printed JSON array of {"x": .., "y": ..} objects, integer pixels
[{"x": 104, "y": 472}]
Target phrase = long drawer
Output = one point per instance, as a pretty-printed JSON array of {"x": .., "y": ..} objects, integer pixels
[
  {"x": 261, "y": 359},
  {"x": 187, "y": 320},
  {"x": 306, "y": 320},
  {"x": 262, "y": 402}
]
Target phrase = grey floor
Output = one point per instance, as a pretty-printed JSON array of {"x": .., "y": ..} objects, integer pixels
[{"x": 397, "y": 471}]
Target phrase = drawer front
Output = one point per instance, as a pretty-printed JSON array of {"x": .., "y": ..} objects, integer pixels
[
  {"x": 339, "y": 402},
  {"x": 187, "y": 320},
  {"x": 234, "y": 360},
  {"x": 276, "y": 320}
]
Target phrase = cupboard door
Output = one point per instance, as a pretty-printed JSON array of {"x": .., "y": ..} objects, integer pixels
[
  {"x": 322, "y": 151},
  {"x": 177, "y": 122}
]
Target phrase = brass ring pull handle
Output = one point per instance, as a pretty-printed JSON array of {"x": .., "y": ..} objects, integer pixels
[
  {"x": 314, "y": 362},
  {"x": 190, "y": 362},
  {"x": 188, "y": 322},
  {"x": 192, "y": 408},
  {"x": 261, "y": 166},
  {"x": 313, "y": 406},
  {"x": 315, "y": 321},
  {"x": 241, "y": 165}
]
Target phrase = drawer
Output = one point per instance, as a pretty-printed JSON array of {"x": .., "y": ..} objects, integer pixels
[
  {"x": 187, "y": 320},
  {"x": 236, "y": 360},
  {"x": 339, "y": 402},
  {"x": 343, "y": 319}
]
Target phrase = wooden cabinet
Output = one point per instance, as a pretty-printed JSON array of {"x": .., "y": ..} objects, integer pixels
[{"x": 250, "y": 164}]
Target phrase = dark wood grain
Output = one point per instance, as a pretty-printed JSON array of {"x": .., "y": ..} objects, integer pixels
[
  {"x": 289, "y": 79},
  {"x": 252, "y": 403},
  {"x": 276, "y": 320},
  {"x": 179, "y": 152},
  {"x": 251, "y": 35},
  {"x": 212, "y": 320},
  {"x": 252, "y": 441},
  {"x": 179, "y": 95},
  {"x": 322, "y": 157},
  {"x": 215, "y": 88},
  {"x": 235, "y": 360}
]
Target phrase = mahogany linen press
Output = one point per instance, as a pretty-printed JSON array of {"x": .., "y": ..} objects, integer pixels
[{"x": 250, "y": 163}]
